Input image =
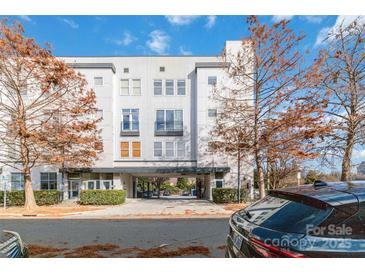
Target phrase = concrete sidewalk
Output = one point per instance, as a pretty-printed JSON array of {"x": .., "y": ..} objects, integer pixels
[
  {"x": 159, "y": 208},
  {"x": 170, "y": 208}
]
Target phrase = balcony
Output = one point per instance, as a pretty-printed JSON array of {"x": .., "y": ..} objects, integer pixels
[
  {"x": 169, "y": 129},
  {"x": 130, "y": 129}
]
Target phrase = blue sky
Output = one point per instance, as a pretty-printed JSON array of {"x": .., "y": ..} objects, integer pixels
[{"x": 154, "y": 35}]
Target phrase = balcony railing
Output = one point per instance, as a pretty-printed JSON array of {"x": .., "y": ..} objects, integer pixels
[
  {"x": 134, "y": 131},
  {"x": 167, "y": 129}
]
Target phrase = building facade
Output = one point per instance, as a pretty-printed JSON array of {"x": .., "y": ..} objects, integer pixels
[{"x": 157, "y": 113}]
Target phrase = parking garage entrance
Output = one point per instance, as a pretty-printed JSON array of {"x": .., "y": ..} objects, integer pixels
[{"x": 169, "y": 188}]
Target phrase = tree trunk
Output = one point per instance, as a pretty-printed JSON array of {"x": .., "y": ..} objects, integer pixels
[
  {"x": 260, "y": 177},
  {"x": 346, "y": 160},
  {"x": 258, "y": 160},
  {"x": 30, "y": 203}
]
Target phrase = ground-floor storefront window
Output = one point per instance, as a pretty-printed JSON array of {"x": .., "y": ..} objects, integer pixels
[
  {"x": 17, "y": 181},
  {"x": 93, "y": 181},
  {"x": 48, "y": 180}
]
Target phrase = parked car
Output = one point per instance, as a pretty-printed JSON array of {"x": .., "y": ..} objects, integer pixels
[
  {"x": 166, "y": 193},
  {"x": 185, "y": 193},
  {"x": 11, "y": 245},
  {"x": 319, "y": 220}
]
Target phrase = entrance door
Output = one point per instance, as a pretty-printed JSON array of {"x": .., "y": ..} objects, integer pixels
[{"x": 73, "y": 188}]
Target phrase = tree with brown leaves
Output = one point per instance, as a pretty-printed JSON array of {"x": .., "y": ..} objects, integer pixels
[
  {"x": 292, "y": 137},
  {"x": 340, "y": 73},
  {"x": 267, "y": 75},
  {"x": 47, "y": 116}
]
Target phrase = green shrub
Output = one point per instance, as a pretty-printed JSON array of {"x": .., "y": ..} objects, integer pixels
[
  {"x": 42, "y": 197},
  {"x": 172, "y": 189},
  {"x": 102, "y": 197},
  {"x": 228, "y": 195}
]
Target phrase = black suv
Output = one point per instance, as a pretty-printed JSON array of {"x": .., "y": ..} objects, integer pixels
[{"x": 319, "y": 220}]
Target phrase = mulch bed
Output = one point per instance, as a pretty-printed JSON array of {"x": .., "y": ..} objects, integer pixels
[{"x": 109, "y": 250}]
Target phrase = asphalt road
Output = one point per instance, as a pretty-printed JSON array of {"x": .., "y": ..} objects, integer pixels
[{"x": 126, "y": 234}]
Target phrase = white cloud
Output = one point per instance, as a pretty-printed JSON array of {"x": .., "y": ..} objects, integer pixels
[
  {"x": 184, "y": 51},
  {"x": 278, "y": 18},
  {"x": 322, "y": 36},
  {"x": 315, "y": 19},
  {"x": 359, "y": 154},
  {"x": 71, "y": 23},
  {"x": 158, "y": 42},
  {"x": 326, "y": 33},
  {"x": 180, "y": 20},
  {"x": 25, "y": 18},
  {"x": 210, "y": 21},
  {"x": 127, "y": 39}
]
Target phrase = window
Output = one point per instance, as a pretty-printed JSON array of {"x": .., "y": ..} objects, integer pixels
[
  {"x": 160, "y": 120},
  {"x": 98, "y": 81},
  {"x": 157, "y": 87},
  {"x": 17, "y": 181},
  {"x": 136, "y": 87},
  {"x": 24, "y": 88},
  {"x": 157, "y": 149},
  {"x": 284, "y": 215},
  {"x": 124, "y": 87},
  {"x": 130, "y": 119},
  {"x": 212, "y": 112},
  {"x": 99, "y": 114},
  {"x": 136, "y": 149},
  {"x": 48, "y": 180},
  {"x": 169, "y": 87},
  {"x": 124, "y": 149},
  {"x": 126, "y": 70},
  {"x": 170, "y": 149},
  {"x": 90, "y": 185},
  {"x": 169, "y": 120},
  {"x": 162, "y": 69},
  {"x": 218, "y": 183},
  {"x": 180, "y": 148},
  {"x": 181, "y": 87},
  {"x": 178, "y": 119},
  {"x": 106, "y": 184},
  {"x": 212, "y": 80},
  {"x": 97, "y": 184}
]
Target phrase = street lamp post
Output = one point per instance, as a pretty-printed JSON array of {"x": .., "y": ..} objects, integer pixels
[{"x": 299, "y": 177}]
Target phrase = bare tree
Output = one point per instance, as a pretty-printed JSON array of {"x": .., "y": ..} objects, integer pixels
[
  {"x": 46, "y": 114},
  {"x": 341, "y": 79}
]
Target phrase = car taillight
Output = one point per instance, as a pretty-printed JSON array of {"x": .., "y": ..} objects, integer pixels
[{"x": 270, "y": 251}]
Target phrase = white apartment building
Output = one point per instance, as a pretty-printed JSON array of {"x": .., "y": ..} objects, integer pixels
[{"x": 157, "y": 113}]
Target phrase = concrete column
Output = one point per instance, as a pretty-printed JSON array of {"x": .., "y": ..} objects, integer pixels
[
  {"x": 208, "y": 187},
  {"x": 65, "y": 186},
  {"x": 127, "y": 182},
  {"x": 117, "y": 181}
]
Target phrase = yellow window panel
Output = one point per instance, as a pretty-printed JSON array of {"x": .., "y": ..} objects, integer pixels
[
  {"x": 136, "y": 149},
  {"x": 124, "y": 149},
  {"x": 136, "y": 145},
  {"x": 124, "y": 145},
  {"x": 136, "y": 153}
]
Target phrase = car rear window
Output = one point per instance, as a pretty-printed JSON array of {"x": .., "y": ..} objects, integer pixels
[{"x": 284, "y": 215}]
